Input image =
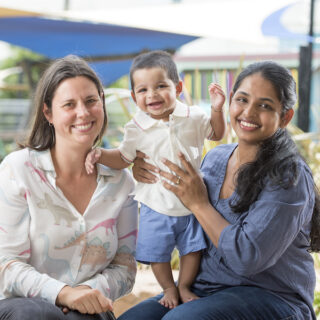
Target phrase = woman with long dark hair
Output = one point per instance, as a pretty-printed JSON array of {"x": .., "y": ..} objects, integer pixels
[{"x": 259, "y": 206}]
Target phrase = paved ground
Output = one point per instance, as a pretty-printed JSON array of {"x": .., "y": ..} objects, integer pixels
[{"x": 145, "y": 287}]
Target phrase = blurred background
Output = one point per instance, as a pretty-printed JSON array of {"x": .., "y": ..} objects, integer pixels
[{"x": 211, "y": 40}]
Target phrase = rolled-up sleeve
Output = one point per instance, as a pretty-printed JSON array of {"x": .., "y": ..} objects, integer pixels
[{"x": 257, "y": 241}]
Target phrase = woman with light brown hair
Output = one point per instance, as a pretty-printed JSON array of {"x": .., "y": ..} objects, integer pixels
[{"x": 66, "y": 238}]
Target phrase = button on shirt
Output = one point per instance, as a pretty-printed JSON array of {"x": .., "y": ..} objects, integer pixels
[
  {"x": 45, "y": 243},
  {"x": 185, "y": 131},
  {"x": 267, "y": 246}
]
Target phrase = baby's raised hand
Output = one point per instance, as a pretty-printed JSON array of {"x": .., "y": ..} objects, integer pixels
[
  {"x": 217, "y": 97},
  {"x": 92, "y": 157}
]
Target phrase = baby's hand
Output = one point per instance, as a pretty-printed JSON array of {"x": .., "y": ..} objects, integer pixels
[
  {"x": 217, "y": 97},
  {"x": 92, "y": 157}
]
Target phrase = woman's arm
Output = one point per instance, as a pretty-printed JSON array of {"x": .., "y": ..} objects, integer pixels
[
  {"x": 84, "y": 299},
  {"x": 273, "y": 223},
  {"x": 191, "y": 191},
  {"x": 189, "y": 187},
  {"x": 258, "y": 240},
  {"x": 17, "y": 276},
  {"x": 118, "y": 278}
]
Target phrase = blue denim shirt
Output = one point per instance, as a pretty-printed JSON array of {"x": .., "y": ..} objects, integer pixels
[{"x": 265, "y": 246}]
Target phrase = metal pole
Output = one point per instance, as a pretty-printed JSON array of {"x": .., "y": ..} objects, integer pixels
[
  {"x": 305, "y": 77},
  {"x": 311, "y": 21},
  {"x": 66, "y": 5}
]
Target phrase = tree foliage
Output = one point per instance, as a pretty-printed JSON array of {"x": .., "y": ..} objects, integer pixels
[{"x": 21, "y": 85}]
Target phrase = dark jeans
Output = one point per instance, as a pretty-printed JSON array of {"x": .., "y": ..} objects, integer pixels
[
  {"x": 234, "y": 303},
  {"x": 38, "y": 309}
]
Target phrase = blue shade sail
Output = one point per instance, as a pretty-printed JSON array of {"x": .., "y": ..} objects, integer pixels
[
  {"x": 57, "y": 38},
  {"x": 109, "y": 47}
]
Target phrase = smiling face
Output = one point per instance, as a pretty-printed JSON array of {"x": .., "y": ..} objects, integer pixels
[
  {"x": 155, "y": 93},
  {"x": 77, "y": 112},
  {"x": 255, "y": 110}
]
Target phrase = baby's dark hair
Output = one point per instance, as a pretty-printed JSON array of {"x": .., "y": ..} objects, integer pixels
[{"x": 155, "y": 59}]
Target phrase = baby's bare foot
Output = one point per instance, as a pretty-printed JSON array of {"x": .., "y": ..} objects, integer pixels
[
  {"x": 170, "y": 298},
  {"x": 186, "y": 295}
]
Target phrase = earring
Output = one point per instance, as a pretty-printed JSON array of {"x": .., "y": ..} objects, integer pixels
[{"x": 50, "y": 124}]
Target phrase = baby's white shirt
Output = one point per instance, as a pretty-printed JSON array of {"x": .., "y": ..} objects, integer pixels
[{"x": 185, "y": 131}]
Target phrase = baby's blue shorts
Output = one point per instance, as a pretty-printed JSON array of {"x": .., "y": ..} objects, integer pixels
[{"x": 158, "y": 235}]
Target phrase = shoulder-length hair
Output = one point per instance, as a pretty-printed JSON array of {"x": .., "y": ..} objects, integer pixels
[{"x": 42, "y": 134}]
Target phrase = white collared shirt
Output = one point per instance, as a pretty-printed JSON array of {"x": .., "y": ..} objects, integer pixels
[
  {"x": 185, "y": 131},
  {"x": 45, "y": 243}
]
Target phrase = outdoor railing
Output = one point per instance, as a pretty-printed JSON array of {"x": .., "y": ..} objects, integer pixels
[{"x": 14, "y": 116}]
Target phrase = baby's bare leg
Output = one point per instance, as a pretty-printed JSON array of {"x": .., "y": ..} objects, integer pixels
[
  {"x": 163, "y": 273},
  {"x": 189, "y": 265}
]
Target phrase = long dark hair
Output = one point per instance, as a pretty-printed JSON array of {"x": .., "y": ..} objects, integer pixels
[
  {"x": 278, "y": 157},
  {"x": 42, "y": 135}
]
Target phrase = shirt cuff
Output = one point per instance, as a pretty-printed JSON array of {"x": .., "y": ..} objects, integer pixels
[
  {"x": 126, "y": 159},
  {"x": 94, "y": 284},
  {"x": 51, "y": 290},
  {"x": 210, "y": 136}
]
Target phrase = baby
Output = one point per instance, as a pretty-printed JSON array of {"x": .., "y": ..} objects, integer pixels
[{"x": 162, "y": 128}]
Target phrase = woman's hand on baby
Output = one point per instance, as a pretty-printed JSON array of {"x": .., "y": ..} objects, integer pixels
[
  {"x": 92, "y": 158},
  {"x": 83, "y": 299},
  {"x": 186, "y": 184},
  {"x": 217, "y": 97},
  {"x": 142, "y": 171}
]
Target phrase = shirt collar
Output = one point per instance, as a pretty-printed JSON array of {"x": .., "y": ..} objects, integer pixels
[
  {"x": 181, "y": 110},
  {"x": 105, "y": 171},
  {"x": 144, "y": 121},
  {"x": 44, "y": 162}
]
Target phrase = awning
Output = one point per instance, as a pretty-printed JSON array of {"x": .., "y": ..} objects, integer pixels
[
  {"x": 110, "y": 71},
  {"x": 108, "y": 47}
]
